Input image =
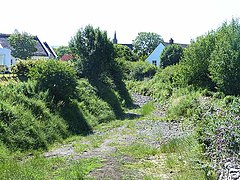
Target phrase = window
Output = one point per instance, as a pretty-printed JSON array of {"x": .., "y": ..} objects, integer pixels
[
  {"x": 2, "y": 58},
  {"x": 154, "y": 62}
]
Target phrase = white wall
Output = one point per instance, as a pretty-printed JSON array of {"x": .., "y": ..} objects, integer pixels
[{"x": 7, "y": 56}]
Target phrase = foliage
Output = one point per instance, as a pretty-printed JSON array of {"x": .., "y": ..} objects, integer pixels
[
  {"x": 22, "y": 67},
  {"x": 95, "y": 50},
  {"x": 146, "y": 42},
  {"x": 117, "y": 76},
  {"x": 23, "y": 45},
  {"x": 171, "y": 55},
  {"x": 182, "y": 106},
  {"x": 96, "y": 63},
  {"x": 62, "y": 50},
  {"x": 58, "y": 78},
  {"x": 125, "y": 52},
  {"x": 140, "y": 70},
  {"x": 26, "y": 123},
  {"x": 105, "y": 90},
  {"x": 219, "y": 130},
  {"x": 95, "y": 110},
  {"x": 196, "y": 61},
  {"x": 225, "y": 59},
  {"x": 213, "y": 60}
]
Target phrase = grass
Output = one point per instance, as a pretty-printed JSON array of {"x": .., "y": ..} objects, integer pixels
[
  {"x": 147, "y": 108},
  {"x": 185, "y": 159},
  {"x": 137, "y": 150},
  {"x": 43, "y": 168}
]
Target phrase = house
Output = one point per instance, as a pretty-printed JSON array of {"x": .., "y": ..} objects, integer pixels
[
  {"x": 154, "y": 57},
  {"x": 5, "y": 56},
  {"x": 44, "y": 51}
]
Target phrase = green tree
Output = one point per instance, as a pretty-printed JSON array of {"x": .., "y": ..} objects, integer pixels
[
  {"x": 23, "y": 45},
  {"x": 62, "y": 50},
  {"x": 95, "y": 50},
  {"x": 195, "y": 62},
  {"x": 146, "y": 42},
  {"x": 225, "y": 59},
  {"x": 171, "y": 55},
  {"x": 125, "y": 52}
]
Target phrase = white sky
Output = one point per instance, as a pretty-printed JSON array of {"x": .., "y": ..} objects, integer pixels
[{"x": 56, "y": 21}]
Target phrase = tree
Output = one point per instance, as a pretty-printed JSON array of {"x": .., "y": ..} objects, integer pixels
[
  {"x": 95, "y": 51},
  {"x": 146, "y": 42},
  {"x": 171, "y": 55},
  {"x": 22, "y": 44},
  {"x": 225, "y": 60},
  {"x": 196, "y": 58},
  {"x": 96, "y": 63},
  {"x": 62, "y": 50},
  {"x": 125, "y": 52}
]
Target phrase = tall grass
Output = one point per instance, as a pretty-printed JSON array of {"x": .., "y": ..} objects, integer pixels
[{"x": 185, "y": 159}]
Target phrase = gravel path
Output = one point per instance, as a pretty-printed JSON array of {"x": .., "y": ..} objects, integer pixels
[{"x": 150, "y": 132}]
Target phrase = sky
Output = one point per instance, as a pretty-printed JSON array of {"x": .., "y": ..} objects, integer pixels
[{"x": 56, "y": 21}]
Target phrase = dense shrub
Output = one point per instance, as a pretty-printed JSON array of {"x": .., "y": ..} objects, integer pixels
[
  {"x": 163, "y": 83},
  {"x": 171, "y": 55},
  {"x": 94, "y": 109},
  {"x": 225, "y": 59},
  {"x": 196, "y": 61},
  {"x": 27, "y": 123},
  {"x": 125, "y": 52},
  {"x": 58, "y": 78},
  {"x": 22, "y": 67},
  {"x": 140, "y": 70}
]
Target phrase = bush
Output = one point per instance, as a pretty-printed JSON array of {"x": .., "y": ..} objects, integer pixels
[
  {"x": 95, "y": 110},
  {"x": 22, "y": 67},
  {"x": 225, "y": 59},
  {"x": 171, "y": 55},
  {"x": 196, "y": 61},
  {"x": 26, "y": 123},
  {"x": 125, "y": 52},
  {"x": 140, "y": 70},
  {"x": 58, "y": 78}
]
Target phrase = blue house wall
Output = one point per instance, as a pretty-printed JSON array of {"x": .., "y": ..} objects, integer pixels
[{"x": 155, "y": 55}]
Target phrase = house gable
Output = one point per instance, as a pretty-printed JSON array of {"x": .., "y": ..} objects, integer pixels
[
  {"x": 154, "y": 57},
  {"x": 42, "y": 50}
]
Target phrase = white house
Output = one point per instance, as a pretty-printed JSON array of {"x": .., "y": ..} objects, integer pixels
[
  {"x": 5, "y": 56},
  {"x": 44, "y": 51},
  {"x": 154, "y": 57}
]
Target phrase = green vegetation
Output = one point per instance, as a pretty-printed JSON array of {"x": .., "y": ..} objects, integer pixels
[
  {"x": 50, "y": 100},
  {"x": 145, "y": 43},
  {"x": 171, "y": 55},
  {"x": 42, "y": 168},
  {"x": 23, "y": 45},
  {"x": 57, "y": 78},
  {"x": 147, "y": 108}
]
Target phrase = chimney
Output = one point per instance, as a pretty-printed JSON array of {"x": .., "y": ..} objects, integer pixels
[{"x": 171, "y": 41}]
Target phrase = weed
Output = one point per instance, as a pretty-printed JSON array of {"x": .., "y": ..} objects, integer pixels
[
  {"x": 138, "y": 150},
  {"x": 147, "y": 108}
]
